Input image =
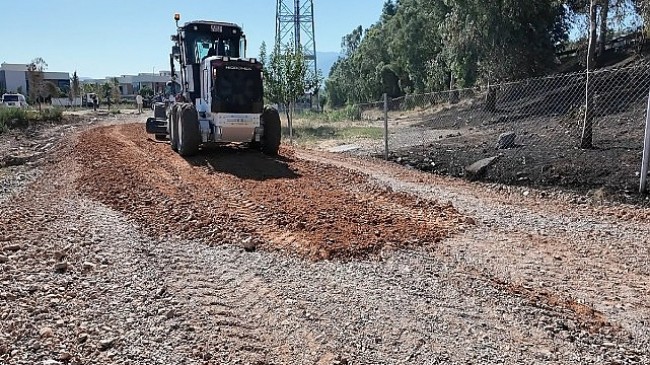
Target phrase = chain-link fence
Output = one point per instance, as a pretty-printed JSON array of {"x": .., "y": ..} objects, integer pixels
[{"x": 530, "y": 132}]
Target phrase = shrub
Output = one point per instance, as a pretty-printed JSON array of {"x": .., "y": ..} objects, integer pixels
[
  {"x": 12, "y": 118},
  {"x": 51, "y": 115},
  {"x": 353, "y": 112}
]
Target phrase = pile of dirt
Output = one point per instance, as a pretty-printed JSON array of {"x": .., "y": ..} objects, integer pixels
[
  {"x": 611, "y": 171},
  {"x": 235, "y": 195}
]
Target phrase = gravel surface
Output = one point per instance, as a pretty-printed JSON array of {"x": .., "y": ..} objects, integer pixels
[{"x": 120, "y": 252}]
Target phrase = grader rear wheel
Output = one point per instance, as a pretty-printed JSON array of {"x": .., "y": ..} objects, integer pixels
[{"x": 272, "y": 131}]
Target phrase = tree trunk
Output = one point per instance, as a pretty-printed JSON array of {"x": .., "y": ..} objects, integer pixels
[
  {"x": 587, "y": 128},
  {"x": 287, "y": 110},
  {"x": 602, "y": 37},
  {"x": 453, "y": 93}
]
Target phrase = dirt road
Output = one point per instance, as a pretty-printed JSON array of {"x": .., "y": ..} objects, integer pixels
[{"x": 119, "y": 251}]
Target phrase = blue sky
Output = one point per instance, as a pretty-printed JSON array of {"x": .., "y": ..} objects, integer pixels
[{"x": 115, "y": 37}]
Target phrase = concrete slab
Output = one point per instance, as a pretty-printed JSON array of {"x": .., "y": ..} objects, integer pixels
[{"x": 344, "y": 148}]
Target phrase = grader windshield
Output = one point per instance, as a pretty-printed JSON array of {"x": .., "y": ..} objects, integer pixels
[{"x": 204, "y": 39}]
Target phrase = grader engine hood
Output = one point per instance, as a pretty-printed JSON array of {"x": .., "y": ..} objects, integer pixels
[{"x": 237, "y": 87}]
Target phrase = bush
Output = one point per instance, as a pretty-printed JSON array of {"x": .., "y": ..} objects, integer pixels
[
  {"x": 353, "y": 112},
  {"x": 12, "y": 118},
  {"x": 348, "y": 113},
  {"x": 51, "y": 115}
]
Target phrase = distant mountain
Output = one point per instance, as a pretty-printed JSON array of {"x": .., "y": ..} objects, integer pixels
[{"x": 326, "y": 61}]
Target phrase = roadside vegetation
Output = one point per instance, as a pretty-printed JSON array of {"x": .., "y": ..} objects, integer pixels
[
  {"x": 473, "y": 43},
  {"x": 344, "y": 123},
  {"x": 11, "y": 118},
  {"x": 347, "y": 113}
]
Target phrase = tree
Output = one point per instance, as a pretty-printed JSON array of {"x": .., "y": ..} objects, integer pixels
[
  {"x": 146, "y": 91},
  {"x": 587, "y": 128},
  {"x": 115, "y": 90},
  {"x": 502, "y": 40},
  {"x": 602, "y": 34},
  {"x": 36, "y": 80},
  {"x": 107, "y": 89},
  {"x": 389, "y": 9},
  {"x": 607, "y": 13},
  {"x": 76, "y": 90},
  {"x": 421, "y": 46},
  {"x": 350, "y": 43},
  {"x": 50, "y": 90},
  {"x": 287, "y": 78},
  {"x": 322, "y": 101}
]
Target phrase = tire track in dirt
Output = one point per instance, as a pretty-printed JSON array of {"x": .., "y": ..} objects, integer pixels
[
  {"x": 310, "y": 208},
  {"x": 234, "y": 195},
  {"x": 228, "y": 305},
  {"x": 589, "y": 318}
]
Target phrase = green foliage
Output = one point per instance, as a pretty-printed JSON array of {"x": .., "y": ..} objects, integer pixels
[
  {"x": 76, "y": 89},
  {"x": 146, "y": 91},
  {"x": 10, "y": 117},
  {"x": 116, "y": 96},
  {"x": 50, "y": 90},
  {"x": 351, "y": 42},
  {"x": 36, "y": 80},
  {"x": 309, "y": 132},
  {"x": 91, "y": 88},
  {"x": 431, "y": 45},
  {"x": 347, "y": 113},
  {"x": 287, "y": 77},
  {"x": 106, "y": 89},
  {"x": 352, "y": 112},
  {"x": 20, "y": 118},
  {"x": 322, "y": 101},
  {"x": 51, "y": 114}
]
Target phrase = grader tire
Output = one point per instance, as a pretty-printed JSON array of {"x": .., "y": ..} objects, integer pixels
[
  {"x": 272, "y": 131},
  {"x": 172, "y": 126},
  {"x": 189, "y": 133}
]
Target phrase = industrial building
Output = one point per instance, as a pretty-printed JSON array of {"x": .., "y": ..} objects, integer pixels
[
  {"x": 131, "y": 84},
  {"x": 13, "y": 78}
]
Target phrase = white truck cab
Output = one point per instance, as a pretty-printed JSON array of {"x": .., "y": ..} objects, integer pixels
[{"x": 14, "y": 100}]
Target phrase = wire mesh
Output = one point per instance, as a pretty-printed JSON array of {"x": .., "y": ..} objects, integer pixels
[{"x": 530, "y": 132}]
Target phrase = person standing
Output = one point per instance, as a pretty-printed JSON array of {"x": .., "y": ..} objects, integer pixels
[
  {"x": 139, "y": 100},
  {"x": 95, "y": 102}
]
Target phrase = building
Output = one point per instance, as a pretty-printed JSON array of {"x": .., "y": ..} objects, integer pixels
[
  {"x": 131, "y": 84},
  {"x": 13, "y": 78}
]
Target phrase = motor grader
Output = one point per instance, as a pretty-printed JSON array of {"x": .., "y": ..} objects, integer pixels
[{"x": 216, "y": 93}]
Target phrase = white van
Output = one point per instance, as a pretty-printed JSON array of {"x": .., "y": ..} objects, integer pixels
[{"x": 14, "y": 101}]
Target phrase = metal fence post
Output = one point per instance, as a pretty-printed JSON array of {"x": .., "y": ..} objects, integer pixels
[
  {"x": 643, "y": 187},
  {"x": 386, "y": 126}
]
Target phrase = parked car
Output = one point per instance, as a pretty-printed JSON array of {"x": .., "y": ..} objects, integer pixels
[{"x": 14, "y": 100}]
